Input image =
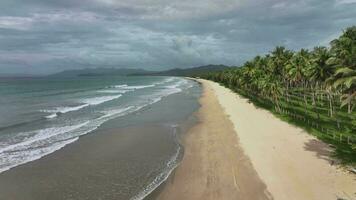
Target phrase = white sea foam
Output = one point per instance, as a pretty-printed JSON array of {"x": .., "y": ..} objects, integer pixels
[
  {"x": 100, "y": 100},
  {"x": 131, "y": 87},
  {"x": 114, "y": 91},
  {"x": 117, "y": 86},
  {"x": 14, "y": 159},
  {"x": 177, "y": 84},
  {"x": 64, "y": 109},
  {"x": 87, "y": 102},
  {"x": 51, "y": 116},
  {"x": 36, "y": 144},
  {"x": 166, "y": 80},
  {"x": 40, "y": 143},
  {"x": 38, "y": 136},
  {"x": 117, "y": 112},
  {"x": 171, "y": 164},
  {"x": 135, "y": 87}
]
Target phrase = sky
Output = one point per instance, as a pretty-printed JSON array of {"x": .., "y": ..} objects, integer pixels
[{"x": 47, "y": 36}]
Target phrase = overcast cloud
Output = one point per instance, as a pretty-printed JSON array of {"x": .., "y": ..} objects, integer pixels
[{"x": 45, "y": 36}]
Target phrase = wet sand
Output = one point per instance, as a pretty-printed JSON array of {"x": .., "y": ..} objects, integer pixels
[
  {"x": 125, "y": 157},
  {"x": 214, "y": 165},
  {"x": 109, "y": 164}
]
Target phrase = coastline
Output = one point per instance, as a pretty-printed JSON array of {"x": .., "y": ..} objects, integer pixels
[
  {"x": 292, "y": 163},
  {"x": 125, "y": 158},
  {"x": 214, "y": 165},
  {"x": 232, "y": 150},
  {"x": 285, "y": 161}
]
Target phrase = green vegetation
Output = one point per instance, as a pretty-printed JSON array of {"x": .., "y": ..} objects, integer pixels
[{"x": 315, "y": 90}]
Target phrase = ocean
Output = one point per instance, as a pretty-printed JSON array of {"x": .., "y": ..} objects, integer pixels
[{"x": 39, "y": 116}]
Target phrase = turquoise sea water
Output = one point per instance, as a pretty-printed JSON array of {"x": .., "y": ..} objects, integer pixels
[{"x": 41, "y": 115}]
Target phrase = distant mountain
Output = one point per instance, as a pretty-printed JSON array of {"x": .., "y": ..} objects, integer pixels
[
  {"x": 195, "y": 71},
  {"x": 98, "y": 72},
  {"x": 15, "y": 75}
]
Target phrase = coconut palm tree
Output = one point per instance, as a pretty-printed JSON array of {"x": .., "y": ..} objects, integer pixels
[
  {"x": 344, "y": 80},
  {"x": 297, "y": 67},
  {"x": 343, "y": 59},
  {"x": 319, "y": 70}
]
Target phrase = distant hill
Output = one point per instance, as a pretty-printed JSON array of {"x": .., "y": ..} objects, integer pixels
[
  {"x": 195, "y": 71},
  {"x": 99, "y": 72},
  {"x": 15, "y": 75}
]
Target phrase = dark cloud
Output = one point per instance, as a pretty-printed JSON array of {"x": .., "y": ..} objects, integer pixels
[{"x": 44, "y": 36}]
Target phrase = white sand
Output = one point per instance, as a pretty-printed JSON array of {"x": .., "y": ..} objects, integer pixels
[{"x": 293, "y": 164}]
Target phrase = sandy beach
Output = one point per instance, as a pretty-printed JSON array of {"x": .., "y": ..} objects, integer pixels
[
  {"x": 238, "y": 151},
  {"x": 214, "y": 166}
]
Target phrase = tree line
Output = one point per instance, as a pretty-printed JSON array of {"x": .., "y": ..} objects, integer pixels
[{"x": 318, "y": 83}]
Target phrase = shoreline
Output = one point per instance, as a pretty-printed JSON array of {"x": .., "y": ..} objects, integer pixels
[
  {"x": 210, "y": 168},
  {"x": 95, "y": 162},
  {"x": 287, "y": 161},
  {"x": 124, "y": 158}
]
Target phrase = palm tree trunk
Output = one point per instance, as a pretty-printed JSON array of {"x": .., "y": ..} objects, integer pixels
[
  {"x": 349, "y": 105},
  {"x": 330, "y": 105}
]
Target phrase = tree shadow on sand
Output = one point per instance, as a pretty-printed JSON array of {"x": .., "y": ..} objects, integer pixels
[{"x": 322, "y": 150}]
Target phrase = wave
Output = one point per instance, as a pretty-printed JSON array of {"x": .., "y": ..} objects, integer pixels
[
  {"x": 51, "y": 116},
  {"x": 171, "y": 164},
  {"x": 41, "y": 143},
  {"x": 135, "y": 87},
  {"x": 126, "y": 87},
  {"x": 64, "y": 92},
  {"x": 117, "y": 112},
  {"x": 167, "y": 80},
  {"x": 63, "y": 110},
  {"x": 100, "y": 100},
  {"x": 174, "y": 160},
  {"x": 87, "y": 102},
  {"x": 38, "y": 136},
  {"x": 131, "y": 87},
  {"x": 114, "y": 91},
  {"x": 31, "y": 155},
  {"x": 28, "y": 146},
  {"x": 36, "y": 144},
  {"x": 177, "y": 84},
  {"x": 117, "y": 86}
]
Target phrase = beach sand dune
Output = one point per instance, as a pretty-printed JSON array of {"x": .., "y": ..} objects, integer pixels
[{"x": 239, "y": 151}]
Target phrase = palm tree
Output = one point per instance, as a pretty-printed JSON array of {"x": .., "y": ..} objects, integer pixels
[
  {"x": 297, "y": 66},
  {"x": 279, "y": 58},
  {"x": 286, "y": 78},
  {"x": 343, "y": 59},
  {"x": 273, "y": 89},
  {"x": 345, "y": 80},
  {"x": 319, "y": 70},
  {"x": 344, "y": 49}
]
